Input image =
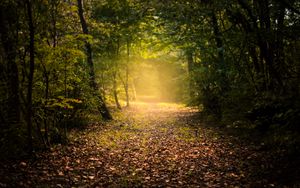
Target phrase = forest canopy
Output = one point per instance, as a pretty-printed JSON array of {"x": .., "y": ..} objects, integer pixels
[{"x": 64, "y": 63}]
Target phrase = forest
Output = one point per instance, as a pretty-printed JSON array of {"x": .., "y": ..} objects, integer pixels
[{"x": 149, "y": 93}]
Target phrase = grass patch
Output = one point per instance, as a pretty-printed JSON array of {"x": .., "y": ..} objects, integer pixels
[{"x": 187, "y": 134}]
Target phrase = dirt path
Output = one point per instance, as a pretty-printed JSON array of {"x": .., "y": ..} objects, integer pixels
[{"x": 148, "y": 145}]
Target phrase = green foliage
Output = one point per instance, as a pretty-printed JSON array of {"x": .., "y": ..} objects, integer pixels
[
  {"x": 62, "y": 102},
  {"x": 238, "y": 60},
  {"x": 61, "y": 90},
  {"x": 238, "y": 63}
]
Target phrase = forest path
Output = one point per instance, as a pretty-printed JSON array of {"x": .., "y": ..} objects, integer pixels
[{"x": 147, "y": 145}]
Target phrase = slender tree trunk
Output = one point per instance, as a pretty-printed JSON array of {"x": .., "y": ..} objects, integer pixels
[
  {"x": 102, "y": 86},
  {"x": 191, "y": 65},
  {"x": 279, "y": 45},
  {"x": 115, "y": 63},
  {"x": 46, "y": 133},
  {"x": 221, "y": 68},
  {"x": 30, "y": 76},
  {"x": 127, "y": 74},
  {"x": 221, "y": 64},
  {"x": 53, "y": 32},
  {"x": 102, "y": 106},
  {"x": 115, "y": 90},
  {"x": 53, "y": 8},
  {"x": 218, "y": 39}
]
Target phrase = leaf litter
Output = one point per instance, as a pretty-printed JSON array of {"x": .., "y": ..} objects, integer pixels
[{"x": 148, "y": 145}]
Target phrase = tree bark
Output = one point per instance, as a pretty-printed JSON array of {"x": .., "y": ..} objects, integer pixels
[
  {"x": 191, "y": 65},
  {"x": 30, "y": 76},
  {"x": 115, "y": 90},
  {"x": 102, "y": 106},
  {"x": 221, "y": 64},
  {"x": 127, "y": 74},
  {"x": 10, "y": 106},
  {"x": 115, "y": 72},
  {"x": 46, "y": 80}
]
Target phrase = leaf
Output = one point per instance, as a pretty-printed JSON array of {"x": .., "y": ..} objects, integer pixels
[{"x": 60, "y": 173}]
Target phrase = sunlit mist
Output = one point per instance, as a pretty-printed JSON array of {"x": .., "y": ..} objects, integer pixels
[{"x": 159, "y": 80}]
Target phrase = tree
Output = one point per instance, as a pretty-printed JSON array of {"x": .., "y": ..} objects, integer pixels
[
  {"x": 102, "y": 106},
  {"x": 31, "y": 74},
  {"x": 10, "y": 118}
]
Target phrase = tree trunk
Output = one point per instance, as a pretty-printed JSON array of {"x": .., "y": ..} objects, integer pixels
[
  {"x": 30, "y": 77},
  {"x": 115, "y": 90},
  {"x": 8, "y": 38},
  {"x": 267, "y": 46},
  {"x": 224, "y": 83},
  {"x": 115, "y": 63},
  {"x": 46, "y": 133},
  {"x": 10, "y": 106},
  {"x": 127, "y": 74},
  {"x": 191, "y": 65},
  {"x": 102, "y": 106},
  {"x": 265, "y": 42}
]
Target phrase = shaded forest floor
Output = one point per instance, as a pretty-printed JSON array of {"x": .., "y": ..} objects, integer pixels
[{"x": 153, "y": 145}]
